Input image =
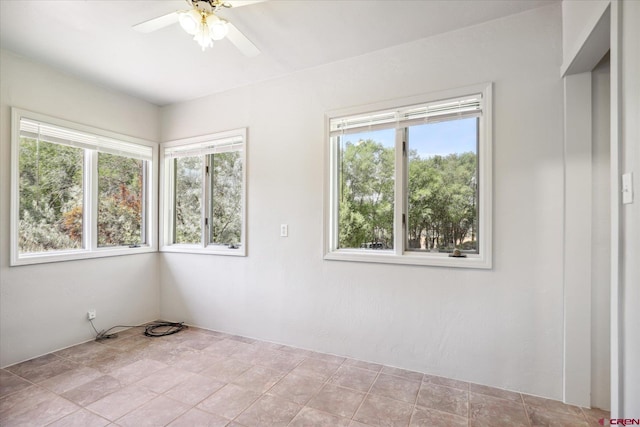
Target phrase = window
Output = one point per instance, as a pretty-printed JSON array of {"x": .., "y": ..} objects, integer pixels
[
  {"x": 77, "y": 192},
  {"x": 410, "y": 182},
  {"x": 204, "y": 194}
]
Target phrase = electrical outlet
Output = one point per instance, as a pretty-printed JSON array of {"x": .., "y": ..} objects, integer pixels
[
  {"x": 91, "y": 314},
  {"x": 284, "y": 230}
]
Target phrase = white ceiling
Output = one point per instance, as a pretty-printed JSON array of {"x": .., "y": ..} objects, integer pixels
[{"x": 93, "y": 39}]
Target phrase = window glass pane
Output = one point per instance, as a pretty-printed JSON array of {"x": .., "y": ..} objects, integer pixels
[
  {"x": 225, "y": 207},
  {"x": 443, "y": 198},
  {"x": 366, "y": 189},
  {"x": 50, "y": 196},
  {"x": 120, "y": 200},
  {"x": 188, "y": 195}
]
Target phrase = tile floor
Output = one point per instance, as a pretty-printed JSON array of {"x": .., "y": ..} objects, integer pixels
[{"x": 204, "y": 378}]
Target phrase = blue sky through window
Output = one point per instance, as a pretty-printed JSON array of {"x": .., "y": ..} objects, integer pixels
[{"x": 442, "y": 138}]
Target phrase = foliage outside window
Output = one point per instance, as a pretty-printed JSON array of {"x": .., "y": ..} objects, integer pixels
[
  {"x": 204, "y": 194},
  {"x": 77, "y": 192},
  {"x": 412, "y": 184}
]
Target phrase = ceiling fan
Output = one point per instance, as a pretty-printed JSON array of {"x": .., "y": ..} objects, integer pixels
[{"x": 202, "y": 22}]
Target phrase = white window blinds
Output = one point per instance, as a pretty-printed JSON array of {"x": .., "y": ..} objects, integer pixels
[
  {"x": 46, "y": 132},
  {"x": 456, "y": 108},
  {"x": 223, "y": 145}
]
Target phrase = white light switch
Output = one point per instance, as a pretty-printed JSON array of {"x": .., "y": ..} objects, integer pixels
[
  {"x": 627, "y": 188},
  {"x": 284, "y": 230}
]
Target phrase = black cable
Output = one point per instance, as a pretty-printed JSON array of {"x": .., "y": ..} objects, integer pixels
[
  {"x": 173, "y": 328},
  {"x": 150, "y": 329}
]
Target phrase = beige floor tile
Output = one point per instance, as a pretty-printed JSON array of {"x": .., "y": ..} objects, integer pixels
[
  {"x": 331, "y": 358},
  {"x": 543, "y": 417},
  {"x": 42, "y": 368},
  {"x": 495, "y": 392},
  {"x": 159, "y": 411},
  {"x": 550, "y": 405},
  {"x": 110, "y": 360},
  {"x": 382, "y": 411},
  {"x": 269, "y": 411},
  {"x": 93, "y": 390},
  {"x": 594, "y": 415},
  {"x": 337, "y": 400},
  {"x": 196, "y": 417},
  {"x": 229, "y": 401},
  {"x": 121, "y": 402},
  {"x": 309, "y": 417},
  {"x": 198, "y": 342},
  {"x": 227, "y": 369},
  {"x": 396, "y": 388},
  {"x": 445, "y": 399},
  {"x": 239, "y": 338},
  {"x": 81, "y": 418},
  {"x": 22, "y": 400},
  {"x": 296, "y": 388},
  {"x": 79, "y": 353},
  {"x": 242, "y": 382},
  {"x": 10, "y": 383},
  {"x": 258, "y": 378},
  {"x": 224, "y": 347},
  {"x": 195, "y": 390},
  {"x": 355, "y": 378},
  {"x": 247, "y": 353},
  {"x": 165, "y": 379},
  {"x": 169, "y": 354},
  {"x": 316, "y": 369},
  {"x": 447, "y": 382},
  {"x": 197, "y": 361},
  {"x": 363, "y": 365},
  {"x": 402, "y": 373},
  {"x": 40, "y": 414},
  {"x": 71, "y": 379},
  {"x": 27, "y": 366},
  {"x": 423, "y": 417},
  {"x": 485, "y": 410},
  {"x": 278, "y": 360}
]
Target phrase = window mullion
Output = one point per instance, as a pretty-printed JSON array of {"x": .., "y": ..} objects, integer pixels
[
  {"x": 335, "y": 177},
  {"x": 206, "y": 201},
  {"x": 399, "y": 217},
  {"x": 90, "y": 210}
]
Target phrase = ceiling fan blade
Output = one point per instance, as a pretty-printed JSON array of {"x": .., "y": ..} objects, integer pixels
[
  {"x": 239, "y": 3},
  {"x": 241, "y": 41},
  {"x": 156, "y": 23}
]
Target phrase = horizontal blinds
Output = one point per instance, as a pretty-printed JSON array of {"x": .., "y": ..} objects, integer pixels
[
  {"x": 234, "y": 143},
  {"x": 456, "y": 108},
  {"x": 59, "y": 135}
]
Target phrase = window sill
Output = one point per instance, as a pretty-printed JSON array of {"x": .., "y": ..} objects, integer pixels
[
  {"x": 210, "y": 250},
  {"x": 74, "y": 255},
  {"x": 410, "y": 258}
]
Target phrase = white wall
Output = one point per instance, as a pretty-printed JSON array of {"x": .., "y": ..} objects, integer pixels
[
  {"x": 577, "y": 238},
  {"x": 502, "y": 327},
  {"x": 630, "y": 214},
  {"x": 584, "y": 35},
  {"x": 43, "y": 307},
  {"x": 600, "y": 238}
]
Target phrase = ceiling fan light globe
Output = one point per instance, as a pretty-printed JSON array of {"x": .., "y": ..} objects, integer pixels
[
  {"x": 218, "y": 29},
  {"x": 190, "y": 21},
  {"x": 202, "y": 37}
]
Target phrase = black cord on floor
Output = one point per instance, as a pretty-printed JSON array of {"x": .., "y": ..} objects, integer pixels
[{"x": 151, "y": 330}]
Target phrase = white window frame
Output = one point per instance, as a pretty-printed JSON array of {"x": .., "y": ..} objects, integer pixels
[
  {"x": 90, "y": 249},
  {"x": 202, "y": 143},
  {"x": 400, "y": 254}
]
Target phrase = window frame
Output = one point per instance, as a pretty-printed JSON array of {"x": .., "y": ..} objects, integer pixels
[
  {"x": 166, "y": 198},
  {"x": 400, "y": 253},
  {"x": 90, "y": 247}
]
